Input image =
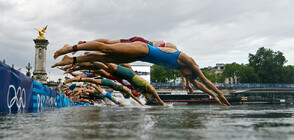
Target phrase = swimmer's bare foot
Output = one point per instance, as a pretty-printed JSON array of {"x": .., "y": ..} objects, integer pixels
[
  {"x": 65, "y": 61},
  {"x": 64, "y": 50}
]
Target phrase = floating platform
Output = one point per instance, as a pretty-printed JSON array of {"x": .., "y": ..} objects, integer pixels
[
  {"x": 263, "y": 95},
  {"x": 183, "y": 98},
  {"x": 249, "y": 96}
]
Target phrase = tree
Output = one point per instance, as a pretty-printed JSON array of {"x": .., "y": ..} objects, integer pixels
[
  {"x": 160, "y": 74},
  {"x": 288, "y": 75},
  {"x": 268, "y": 65},
  {"x": 232, "y": 70},
  {"x": 245, "y": 73},
  {"x": 248, "y": 75},
  {"x": 213, "y": 77}
]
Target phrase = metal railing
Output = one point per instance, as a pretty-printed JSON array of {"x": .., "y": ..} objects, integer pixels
[{"x": 240, "y": 85}]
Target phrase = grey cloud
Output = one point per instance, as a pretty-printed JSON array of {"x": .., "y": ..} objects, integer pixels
[{"x": 209, "y": 31}]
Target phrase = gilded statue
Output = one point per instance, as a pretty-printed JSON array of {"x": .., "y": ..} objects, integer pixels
[{"x": 41, "y": 33}]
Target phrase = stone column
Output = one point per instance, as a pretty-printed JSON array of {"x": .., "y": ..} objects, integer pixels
[{"x": 40, "y": 60}]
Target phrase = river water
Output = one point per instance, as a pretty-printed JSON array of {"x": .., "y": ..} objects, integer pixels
[{"x": 259, "y": 121}]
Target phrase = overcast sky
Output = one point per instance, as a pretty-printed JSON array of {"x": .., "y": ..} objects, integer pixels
[{"x": 210, "y": 31}]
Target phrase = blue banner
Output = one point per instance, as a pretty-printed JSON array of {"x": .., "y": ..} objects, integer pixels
[
  {"x": 43, "y": 97},
  {"x": 15, "y": 90},
  {"x": 19, "y": 93}
]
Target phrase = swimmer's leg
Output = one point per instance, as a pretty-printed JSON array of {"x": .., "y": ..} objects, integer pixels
[
  {"x": 211, "y": 86},
  {"x": 189, "y": 62},
  {"x": 135, "y": 49},
  {"x": 94, "y": 57},
  {"x": 204, "y": 89},
  {"x": 102, "y": 40}
]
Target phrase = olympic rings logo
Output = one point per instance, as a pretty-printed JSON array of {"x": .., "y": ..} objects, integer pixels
[{"x": 19, "y": 98}]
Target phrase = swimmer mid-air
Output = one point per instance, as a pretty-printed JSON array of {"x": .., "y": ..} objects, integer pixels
[{"x": 139, "y": 51}]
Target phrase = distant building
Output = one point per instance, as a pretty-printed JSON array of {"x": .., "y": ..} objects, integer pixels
[
  {"x": 232, "y": 80},
  {"x": 143, "y": 71},
  {"x": 218, "y": 69}
]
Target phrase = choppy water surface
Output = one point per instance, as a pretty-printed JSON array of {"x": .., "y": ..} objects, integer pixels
[{"x": 263, "y": 121}]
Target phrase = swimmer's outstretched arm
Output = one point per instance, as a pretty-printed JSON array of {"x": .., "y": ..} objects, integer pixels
[
  {"x": 91, "y": 91},
  {"x": 98, "y": 81},
  {"x": 188, "y": 87},
  {"x": 132, "y": 95},
  {"x": 205, "y": 90},
  {"x": 79, "y": 91},
  {"x": 68, "y": 81},
  {"x": 102, "y": 66},
  {"x": 91, "y": 80},
  {"x": 108, "y": 67},
  {"x": 102, "y": 73},
  {"x": 107, "y": 95},
  {"x": 186, "y": 83},
  {"x": 65, "y": 89},
  {"x": 151, "y": 89},
  {"x": 78, "y": 74},
  {"x": 209, "y": 84},
  {"x": 85, "y": 100}
]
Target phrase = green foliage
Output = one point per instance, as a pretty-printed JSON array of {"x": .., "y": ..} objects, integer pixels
[
  {"x": 288, "y": 74},
  {"x": 214, "y": 77},
  {"x": 232, "y": 70},
  {"x": 160, "y": 74},
  {"x": 248, "y": 75},
  {"x": 268, "y": 65},
  {"x": 245, "y": 73}
]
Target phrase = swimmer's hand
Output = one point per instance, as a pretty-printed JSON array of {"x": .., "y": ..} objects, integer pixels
[{"x": 189, "y": 89}]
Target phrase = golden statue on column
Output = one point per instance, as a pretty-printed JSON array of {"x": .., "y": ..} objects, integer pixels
[{"x": 41, "y": 33}]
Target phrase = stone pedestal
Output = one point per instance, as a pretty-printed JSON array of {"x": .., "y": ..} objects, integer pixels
[{"x": 40, "y": 60}]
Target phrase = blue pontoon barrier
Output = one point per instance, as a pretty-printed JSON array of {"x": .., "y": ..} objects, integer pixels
[{"x": 19, "y": 93}]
